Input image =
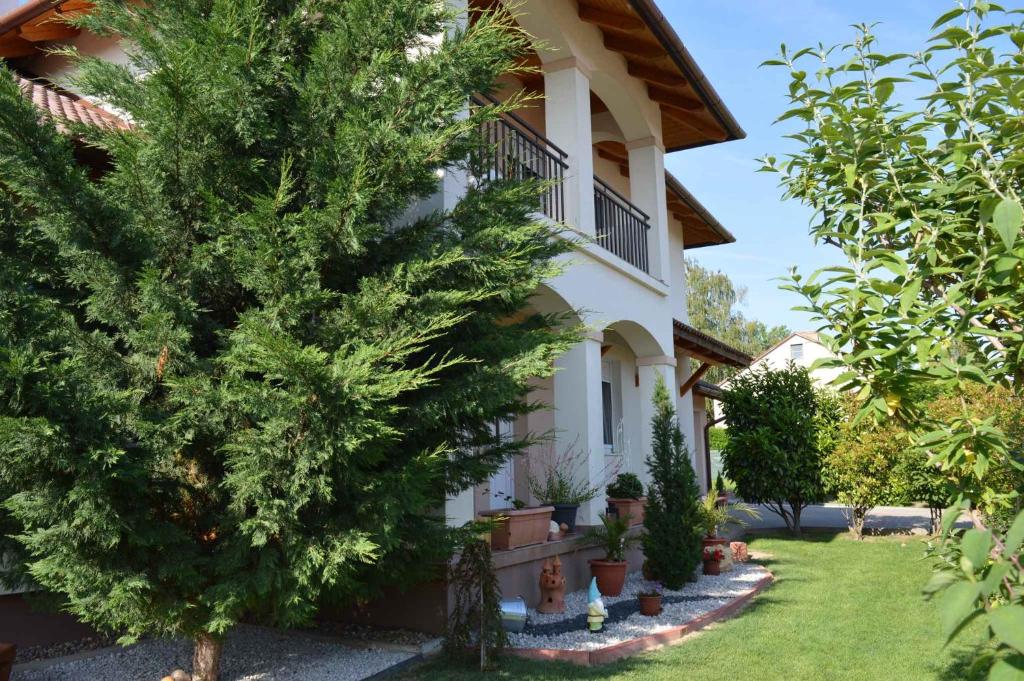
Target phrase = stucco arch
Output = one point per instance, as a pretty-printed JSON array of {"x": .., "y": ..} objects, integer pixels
[
  {"x": 641, "y": 341},
  {"x": 547, "y": 301}
]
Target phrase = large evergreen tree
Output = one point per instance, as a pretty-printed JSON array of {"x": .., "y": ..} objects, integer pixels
[
  {"x": 237, "y": 374},
  {"x": 672, "y": 525}
]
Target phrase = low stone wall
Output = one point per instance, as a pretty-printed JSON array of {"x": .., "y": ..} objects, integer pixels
[{"x": 518, "y": 570}]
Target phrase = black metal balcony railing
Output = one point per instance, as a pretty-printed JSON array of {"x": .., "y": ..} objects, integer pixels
[
  {"x": 621, "y": 227},
  {"x": 512, "y": 149}
]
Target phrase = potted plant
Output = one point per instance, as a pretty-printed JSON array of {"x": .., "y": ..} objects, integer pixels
[
  {"x": 714, "y": 515},
  {"x": 713, "y": 557},
  {"x": 650, "y": 599},
  {"x": 611, "y": 571},
  {"x": 519, "y": 526},
  {"x": 558, "y": 484},
  {"x": 626, "y": 497},
  {"x": 723, "y": 492}
]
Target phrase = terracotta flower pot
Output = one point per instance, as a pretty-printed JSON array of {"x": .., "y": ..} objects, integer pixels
[
  {"x": 713, "y": 541},
  {"x": 610, "y": 574},
  {"x": 650, "y": 606},
  {"x": 7, "y": 653},
  {"x": 522, "y": 527},
  {"x": 634, "y": 508},
  {"x": 712, "y": 567}
]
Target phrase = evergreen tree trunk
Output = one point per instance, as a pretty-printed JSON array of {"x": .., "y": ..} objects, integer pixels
[{"x": 206, "y": 658}]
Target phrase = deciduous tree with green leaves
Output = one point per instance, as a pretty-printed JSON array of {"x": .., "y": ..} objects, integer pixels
[
  {"x": 865, "y": 468},
  {"x": 780, "y": 430},
  {"x": 712, "y": 301},
  {"x": 237, "y": 375},
  {"x": 912, "y": 164}
]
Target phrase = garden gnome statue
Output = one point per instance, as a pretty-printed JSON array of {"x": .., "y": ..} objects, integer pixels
[
  {"x": 552, "y": 588},
  {"x": 596, "y": 611}
]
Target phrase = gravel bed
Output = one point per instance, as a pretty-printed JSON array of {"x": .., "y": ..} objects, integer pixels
[
  {"x": 567, "y": 631},
  {"x": 81, "y": 645},
  {"x": 250, "y": 654},
  {"x": 363, "y": 632}
]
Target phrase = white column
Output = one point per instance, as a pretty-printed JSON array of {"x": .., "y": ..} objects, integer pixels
[
  {"x": 647, "y": 192},
  {"x": 650, "y": 368},
  {"x": 567, "y": 121},
  {"x": 684, "y": 405},
  {"x": 579, "y": 412}
]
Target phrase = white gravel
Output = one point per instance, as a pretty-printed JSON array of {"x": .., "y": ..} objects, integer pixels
[
  {"x": 719, "y": 590},
  {"x": 250, "y": 654}
]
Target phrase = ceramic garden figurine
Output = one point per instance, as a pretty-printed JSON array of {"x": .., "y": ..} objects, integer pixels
[
  {"x": 552, "y": 588},
  {"x": 596, "y": 611}
]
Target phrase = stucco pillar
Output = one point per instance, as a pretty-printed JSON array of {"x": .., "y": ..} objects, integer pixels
[
  {"x": 647, "y": 192},
  {"x": 567, "y": 121},
  {"x": 684, "y": 405},
  {"x": 650, "y": 368},
  {"x": 578, "y": 414}
]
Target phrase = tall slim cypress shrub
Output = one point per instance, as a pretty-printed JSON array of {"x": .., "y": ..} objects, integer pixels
[
  {"x": 672, "y": 534},
  {"x": 238, "y": 375}
]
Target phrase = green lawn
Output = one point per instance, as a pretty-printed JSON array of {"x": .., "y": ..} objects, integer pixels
[{"x": 840, "y": 610}]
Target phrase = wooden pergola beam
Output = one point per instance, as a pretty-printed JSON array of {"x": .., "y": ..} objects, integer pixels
[
  {"x": 688, "y": 119},
  {"x": 654, "y": 75},
  {"x": 640, "y": 48},
  {"x": 12, "y": 46},
  {"x": 694, "y": 377},
  {"x": 610, "y": 19},
  {"x": 674, "y": 99}
]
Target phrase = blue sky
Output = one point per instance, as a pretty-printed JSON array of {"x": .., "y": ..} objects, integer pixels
[{"x": 729, "y": 38}]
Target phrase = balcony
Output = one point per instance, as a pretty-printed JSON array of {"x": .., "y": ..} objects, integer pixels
[
  {"x": 621, "y": 227},
  {"x": 511, "y": 149}
]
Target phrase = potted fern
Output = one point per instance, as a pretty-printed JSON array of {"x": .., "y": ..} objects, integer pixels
[
  {"x": 626, "y": 497},
  {"x": 610, "y": 572}
]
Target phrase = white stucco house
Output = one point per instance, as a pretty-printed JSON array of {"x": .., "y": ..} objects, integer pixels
[
  {"x": 803, "y": 348},
  {"x": 621, "y": 92}
]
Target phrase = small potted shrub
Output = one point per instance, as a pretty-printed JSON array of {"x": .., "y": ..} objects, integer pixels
[
  {"x": 614, "y": 536},
  {"x": 650, "y": 599},
  {"x": 713, "y": 557},
  {"x": 723, "y": 493},
  {"x": 626, "y": 497},
  {"x": 519, "y": 526},
  {"x": 559, "y": 485},
  {"x": 715, "y": 514}
]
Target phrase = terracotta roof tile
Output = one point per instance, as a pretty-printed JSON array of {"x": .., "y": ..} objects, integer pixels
[{"x": 62, "y": 108}]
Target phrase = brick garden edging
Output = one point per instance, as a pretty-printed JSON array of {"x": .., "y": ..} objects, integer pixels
[{"x": 589, "y": 658}]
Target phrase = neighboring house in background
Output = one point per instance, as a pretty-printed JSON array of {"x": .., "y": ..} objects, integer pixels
[
  {"x": 803, "y": 348},
  {"x": 621, "y": 91}
]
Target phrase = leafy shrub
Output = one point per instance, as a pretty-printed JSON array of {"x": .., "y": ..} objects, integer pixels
[
  {"x": 780, "y": 428},
  {"x": 718, "y": 438},
  {"x": 864, "y": 468},
  {"x": 626, "y": 486}
]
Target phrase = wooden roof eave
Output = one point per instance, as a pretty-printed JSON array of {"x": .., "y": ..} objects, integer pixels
[{"x": 706, "y": 348}]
